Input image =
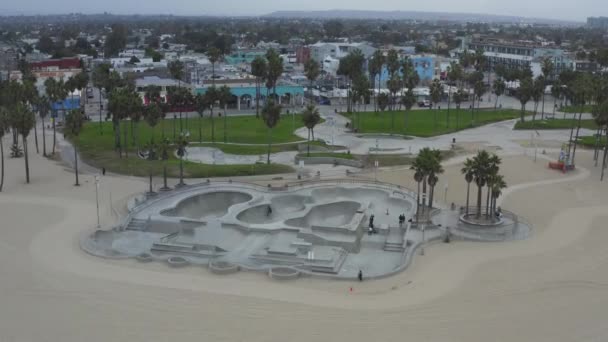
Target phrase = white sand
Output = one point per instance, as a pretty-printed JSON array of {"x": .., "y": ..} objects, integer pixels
[{"x": 551, "y": 287}]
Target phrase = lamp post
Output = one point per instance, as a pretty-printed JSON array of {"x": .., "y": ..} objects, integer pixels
[
  {"x": 97, "y": 199},
  {"x": 422, "y": 244}
]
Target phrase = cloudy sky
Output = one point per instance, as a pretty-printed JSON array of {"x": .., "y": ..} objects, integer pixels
[{"x": 556, "y": 9}]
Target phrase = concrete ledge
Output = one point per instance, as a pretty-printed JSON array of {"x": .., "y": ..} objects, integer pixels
[
  {"x": 177, "y": 261},
  {"x": 223, "y": 267},
  {"x": 144, "y": 257},
  {"x": 283, "y": 273},
  {"x": 329, "y": 160}
]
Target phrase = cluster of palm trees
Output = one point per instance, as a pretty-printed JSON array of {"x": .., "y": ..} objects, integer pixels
[
  {"x": 427, "y": 166},
  {"x": 484, "y": 169}
]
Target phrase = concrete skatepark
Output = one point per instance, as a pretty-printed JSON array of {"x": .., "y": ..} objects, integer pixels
[{"x": 318, "y": 228}]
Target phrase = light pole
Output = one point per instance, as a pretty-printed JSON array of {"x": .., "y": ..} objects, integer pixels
[
  {"x": 445, "y": 194},
  {"x": 422, "y": 245},
  {"x": 97, "y": 199},
  {"x": 376, "y": 164}
]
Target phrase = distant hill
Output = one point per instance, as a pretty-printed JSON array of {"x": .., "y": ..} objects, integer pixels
[{"x": 416, "y": 15}]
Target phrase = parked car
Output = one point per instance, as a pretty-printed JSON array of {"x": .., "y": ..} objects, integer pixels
[{"x": 424, "y": 103}]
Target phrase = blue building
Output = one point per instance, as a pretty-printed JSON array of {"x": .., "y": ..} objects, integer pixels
[
  {"x": 66, "y": 105},
  {"x": 244, "y": 94},
  {"x": 424, "y": 65}
]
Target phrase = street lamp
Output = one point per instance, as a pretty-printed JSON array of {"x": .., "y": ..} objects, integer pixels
[
  {"x": 97, "y": 198},
  {"x": 422, "y": 244}
]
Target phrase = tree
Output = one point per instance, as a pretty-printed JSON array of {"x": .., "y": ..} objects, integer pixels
[
  {"x": 375, "y": 69},
  {"x": 100, "y": 77},
  {"x": 214, "y": 54},
  {"x": 73, "y": 122},
  {"x": 310, "y": 118},
  {"x": 224, "y": 96},
  {"x": 271, "y": 114},
  {"x": 537, "y": 93},
  {"x": 311, "y": 70},
  {"x": 118, "y": 109},
  {"x": 176, "y": 69},
  {"x": 524, "y": 93},
  {"x": 454, "y": 74},
  {"x": 383, "y": 101},
  {"x": 350, "y": 67},
  {"x": 360, "y": 93},
  {"x": 393, "y": 85},
  {"x": 44, "y": 107},
  {"x": 152, "y": 115},
  {"x": 46, "y": 44},
  {"x": 116, "y": 40},
  {"x": 53, "y": 94},
  {"x": 499, "y": 87},
  {"x": 547, "y": 70},
  {"x": 200, "y": 101},
  {"x": 4, "y": 126},
  {"x": 164, "y": 148},
  {"x": 478, "y": 168},
  {"x": 600, "y": 114},
  {"x": 392, "y": 62},
  {"x": 274, "y": 70},
  {"x": 259, "y": 70},
  {"x": 427, "y": 165},
  {"x": 181, "y": 142},
  {"x": 210, "y": 97},
  {"x": 459, "y": 97},
  {"x": 498, "y": 184},
  {"x": 408, "y": 100},
  {"x": 556, "y": 92},
  {"x": 333, "y": 28},
  {"x": 436, "y": 90},
  {"x": 23, "y": 121}
]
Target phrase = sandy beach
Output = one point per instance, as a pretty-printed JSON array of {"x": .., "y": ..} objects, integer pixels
[{"x": 550, "y": 287}]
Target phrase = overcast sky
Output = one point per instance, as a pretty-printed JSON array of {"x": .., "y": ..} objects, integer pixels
[{"x": 577, "y": 10}]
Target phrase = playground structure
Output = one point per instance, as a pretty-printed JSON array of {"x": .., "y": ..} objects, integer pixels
[
  {"x": 330, "y": 229},
  {"x": 564, "y": 163}
]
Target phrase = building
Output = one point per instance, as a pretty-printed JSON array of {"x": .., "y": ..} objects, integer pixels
[
  {"x": 62, "y": 68},
  {"x": 163, "y": 83},
  {"x": 244, "y": 92},
  {"x": 598, "y": 22},
  {"x": 244, "y": 56},
  {"x": 319, "y": 51},
  {"x": 427, "y": 67}
]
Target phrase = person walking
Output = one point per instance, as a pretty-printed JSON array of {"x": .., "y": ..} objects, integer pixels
[{"x": 360, "y": 275}]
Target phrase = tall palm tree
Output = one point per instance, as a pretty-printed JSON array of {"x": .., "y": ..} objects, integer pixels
[
  {"x": 436, "y": 91},
  {"x": 182, "y": 142},
  {"x": 427, "y": 163},
  {"x": 524, "y": 93},
  {"x": 215, "y": 55},
  {"x": 459, "y": 97},
  {"x": 259, "y": 70},
  {"x": 201, "y": 104},
  {"x": 600, "y": 114},
  {"x": 547, "y": 70},
  {"x": 176, "y": 69},
  {"x": 310, "y": 118},
  {"x": 30, "y": 98},
  {"x": 152, "y": 96},
  {"x": 52, "y": 94},
  {"x": 164, "y": 148},
  {"x": 408, "y": 100},
  {"x": 24, "y": 122},
  {"x": 271, "y": 114},
  {"x": 274, "y": 71},
  {"x": 224, "y": 97},
  {"x": 455, "y": 73},
  {"x": 311, "y": 70},
  {"x": 375, "y": 69},
  {"x": 537, "y": 94},
  {"x": 100, "y": 77},
  {"x": 152, "y": 115},
  {"x": 393, "y": 85},
  {"x": 210, "y": 97},
  {"x": 478, "y": 168},
  {"x": 43, "y": 106},
  {"x": 418, "y": 177},
  {"x": 492, "y": 173},
  {"x": 557, "y": 93},
  {"x": 498, "y": 185},
  {"x": 73, "y": 122},
  {"x": 4, "y": 126},
  {"x": 499, "y": 87}
]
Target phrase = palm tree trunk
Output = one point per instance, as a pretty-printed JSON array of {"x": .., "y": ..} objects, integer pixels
[
  {"x": 1, "y": 164},
  {"x": 117, "y": 138},
  {"x": 431, "y": 195},
  {"x": 424, "y": 193},
  {"x": 225, "y": 118},
  {"x": 36, "y": 136},
  {"x": 312, "y": 133},
  {"x": 27, "y": 162},
  {"x": 100, "y": 122},
  {"x": 54, "y": 134},
  {"x": 523, "y": 109},
  {"x": 488, "y": 200},
  {"x": 308, "y": 146},
  {"x": 181, "y": 169},
  {"x": 257, "y": 98},
  {"x": 418, "y": 202},
  {"x": 151, "y": 182},
  {"x": 478, "y": 214},
  {"x": 212, "y": 126},
  {"x": 596, "y": 148},
  {"x": 43, "y": 140},
  {"x": 447, "y": 125},
  {"x": 468, "y": 191},
  {"x": 269, "y": 144},
  {"x": 76, "y": 165},
  {"x": 126, "y": 140},
  {"x": 542, "y": 111},
  {"x": 165, "y": 176},
  {"x": 604, "y": 158},
  {"x": 200, "y": 128},
  {"x": 576, "y": 138},
  {"x": 496, "y": 103}
]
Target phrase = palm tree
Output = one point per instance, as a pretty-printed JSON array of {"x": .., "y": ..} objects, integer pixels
[
  {"x": 311, "y": 70},
  {"x": 30, "y": 98},
  {"x": 537, "y": 94},
  {"x": 360, "y": 93},
  {"x": 310, "y": 118},
  {"x": 498, "y": 185},
  {"x": 152, "y": 96},
  {"x": 459, "y": 96},
  {"x": 408, "y": 100},
  {"x": 201, "y": 104},
  {"x": 436, "y": 91},
  {"x": 468, "y": 177},
  {"x": 393, "y": 85},
  {"x": 454, "y": 74},
  {"x": 52, "y": 92},
  {"x": 600, "y": 114},
  {"x": 499, "y": 87},
  {"x": 271, "y": 114},
  {"x": 274, "y": 70},
  {"x": 24, "y": 120},
  {"x": 176, "y": 69},
  {"x": 164, "y": 148},
  {"x": 4, "y": 126},
  {"x": 375, "y": 69},
  {"x": 73, "y": 123},
  {"x": 418, "y": 177},
  {"x": 478, "y": 168},
  {"x": 492, "y": 173},
  {"x": 43, "y": 106},
  {"x": 547, "y": 70},
  {"x": 556, "y": 92},
  {"x": 210, "y": 97},
  {"x": 259, "y": 70},
  {"x": 215, "y": 55},
  {"x": 100, "y": 77},
  {"x": 524, "y": 93},
  {"x": 427, "y": 163},
  {"x": 152, "y": 115},
  {"x": 118, "y": 109},
  {"x": 225, "y": 96},
  {"x": 182, "y": 142}
]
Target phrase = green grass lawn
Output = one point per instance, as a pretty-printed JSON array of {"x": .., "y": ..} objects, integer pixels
[
  {"x": 554, "y": 124},
  {"x": 256, "y": 149},
  {"x": 577, "y": 109},
  {"x": 589, "y": 141},
  {"x": 98, "y": 150},
  {"x": 428, "y": 122}
]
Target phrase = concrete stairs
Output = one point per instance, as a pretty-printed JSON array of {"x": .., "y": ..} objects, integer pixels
[
  {"x": 137, "y": 224},
  {"x": 394, "y": 240}
]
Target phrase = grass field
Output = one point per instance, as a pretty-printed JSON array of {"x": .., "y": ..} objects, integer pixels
[
  {"x": 589, "y": 141},
  {"x": 327, "y": 154},
  {"x": 554, "y": 124},
  {"x": 577, "y": 109},
  {"x": 256, "y": 149},
  {"x": 427, "y": 122},
  {"x": 98, "y": 150}
]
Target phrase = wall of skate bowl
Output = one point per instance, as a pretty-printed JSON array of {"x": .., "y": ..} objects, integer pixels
[
  {"x": 281, "y": 206},
  {"x": 210, "y": 204},
  {"x": 331, "y": 193},
  {"x": 223, "y": 267},
  {"x": 334, "y": 214},
  {"x": 471, "y": 219},
  {"x": 177, "y": 261},
  {"x": 328, "y": 160},
  {"x": 283, "y": 273}
]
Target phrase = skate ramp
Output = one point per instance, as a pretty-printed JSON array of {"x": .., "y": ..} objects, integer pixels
[
  {"x": 332, "y": 214},
  {"x": 207, "y": 205}
]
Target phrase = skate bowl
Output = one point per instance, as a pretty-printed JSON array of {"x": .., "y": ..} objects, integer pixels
[{"x": 312, "y": 228}]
